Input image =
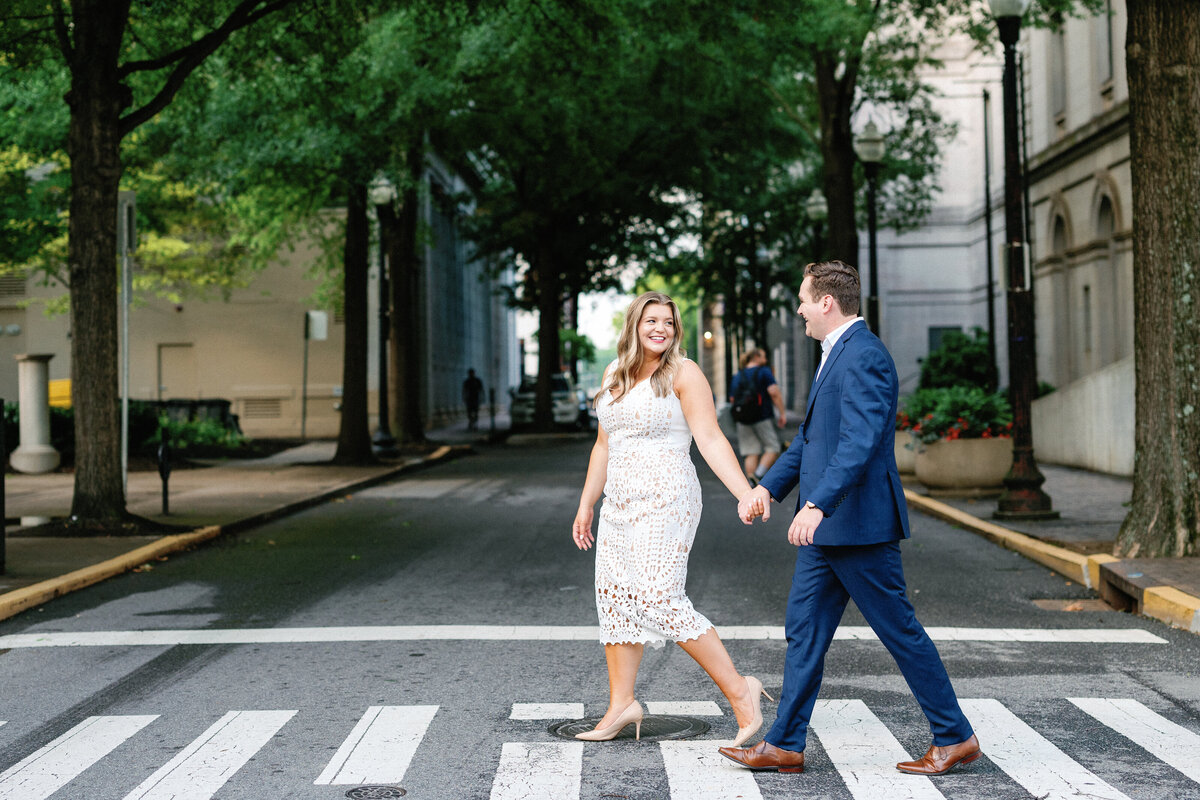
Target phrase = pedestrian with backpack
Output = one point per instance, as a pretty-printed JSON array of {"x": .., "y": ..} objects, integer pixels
[{"x": 757, "y": 408}]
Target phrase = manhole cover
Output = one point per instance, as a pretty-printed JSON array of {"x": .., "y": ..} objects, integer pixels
[
  {"x": 375, "y": 792},
  {"x": 654, "y": 728}
]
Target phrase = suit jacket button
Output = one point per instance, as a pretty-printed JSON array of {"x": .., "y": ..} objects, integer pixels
[{"x": 806, "y": 441}]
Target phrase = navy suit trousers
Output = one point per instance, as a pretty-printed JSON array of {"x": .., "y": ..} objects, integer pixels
[{"x": 826, "y": 578}]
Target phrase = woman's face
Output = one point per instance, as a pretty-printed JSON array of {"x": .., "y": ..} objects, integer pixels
[{"x": 656, "y": 329}]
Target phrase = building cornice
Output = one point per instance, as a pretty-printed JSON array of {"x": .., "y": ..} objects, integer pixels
[{"x": 1088, "y": 138}]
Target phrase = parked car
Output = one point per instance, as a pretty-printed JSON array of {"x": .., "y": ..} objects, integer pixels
[{"x": 570, "y": 404}]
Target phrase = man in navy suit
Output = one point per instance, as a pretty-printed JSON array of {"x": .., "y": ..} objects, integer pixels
[{"x": 850, "y": 518}]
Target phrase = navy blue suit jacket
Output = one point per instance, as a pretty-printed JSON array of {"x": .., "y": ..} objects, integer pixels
[{"x": 843, "y": 458}]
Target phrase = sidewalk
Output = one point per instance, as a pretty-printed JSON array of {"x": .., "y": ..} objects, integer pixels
[
  {"x": 1079, "y": 544},
  {"x": 210, "y": 501}
]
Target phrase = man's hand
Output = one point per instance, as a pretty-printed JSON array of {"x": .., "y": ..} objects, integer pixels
[
  {"x": 804, "y": 526},
  {"x": 754, "y": 503}
]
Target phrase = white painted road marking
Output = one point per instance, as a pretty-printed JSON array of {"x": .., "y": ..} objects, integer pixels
[
  {"x": 865, "y": 753},
  {"x": 527, "y": 633},
  {"x": 547, "y": 771},
  {"x": 380, "y": 747},
  {"x": 546, "y": 711},
  {"x": 1165, "y": 740},
  {"x": 696, "y": 708},
  {"x": 1030, "y": 759},
  {"x": 199, "y": 770},
  {"x": 696, "y": 771},
  {"x": 58, "y": 763}
]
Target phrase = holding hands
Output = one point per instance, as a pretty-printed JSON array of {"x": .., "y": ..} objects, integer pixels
[{"x": 754, "y": 503}]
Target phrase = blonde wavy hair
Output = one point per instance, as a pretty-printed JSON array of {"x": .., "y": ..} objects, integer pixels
[{"x": 630, "y": 356}]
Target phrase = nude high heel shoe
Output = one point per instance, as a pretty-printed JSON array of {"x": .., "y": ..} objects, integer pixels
[
  {"x": 757, "y": 692},
  {"x": 632, "y": 713}
]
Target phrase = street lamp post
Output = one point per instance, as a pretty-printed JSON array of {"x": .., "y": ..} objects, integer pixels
[
  {"x": 384, "y": 444},
  {"x": 1023, "y": 497},
  {"x": 868, "y": 146},
  {"x": 817, "y": 208}
]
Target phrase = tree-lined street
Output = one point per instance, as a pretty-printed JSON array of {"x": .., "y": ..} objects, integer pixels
[{"x": 370, "y": 641}]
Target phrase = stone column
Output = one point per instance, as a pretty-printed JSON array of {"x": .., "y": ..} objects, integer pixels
[{"x": 34, "y": 453}]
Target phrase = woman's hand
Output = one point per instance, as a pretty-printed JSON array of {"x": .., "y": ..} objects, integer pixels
[{"x": 581, "y": 531}]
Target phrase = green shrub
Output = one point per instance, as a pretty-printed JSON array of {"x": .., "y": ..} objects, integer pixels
[
  {"x": 144, "y": 423},
  {"x": 962, "y": 360},
  {"x": 195, "y": 434},
  {"x": 955, "y": 412}
]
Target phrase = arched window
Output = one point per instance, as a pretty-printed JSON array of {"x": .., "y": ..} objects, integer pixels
[
  {"x": 1109, "y": 302},
  {"x": 1058, "y": 239},
  {"x": 1062, "y": 346}
]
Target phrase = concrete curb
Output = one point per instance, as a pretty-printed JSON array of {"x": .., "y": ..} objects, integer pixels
[
  {"x": 1076, "y": 566},
  {"x": 18, "y": 600},
  {"x": 1164, "y": 603}
]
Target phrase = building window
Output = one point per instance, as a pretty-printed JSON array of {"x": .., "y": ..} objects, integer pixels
[
  {"x": 1102, "y": 26},
  {"x": 1058, "y": 76},
  {"x": 1087, "y": 319},
  {"x": 938, "y": 332}
]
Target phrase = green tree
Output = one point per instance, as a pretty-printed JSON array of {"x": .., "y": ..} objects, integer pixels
[
  {"x": 594, "y": 118},
  {"x": 125, "y": 65}
]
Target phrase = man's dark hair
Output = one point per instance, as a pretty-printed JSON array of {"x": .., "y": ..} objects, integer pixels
[{"x": 836, "y": 278}]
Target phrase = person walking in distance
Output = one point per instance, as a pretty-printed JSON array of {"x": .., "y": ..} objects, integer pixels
[
  {"x": 759, "y": 413},
  {"x": 472, "y": 392},
  {"x": 850, "y": 518},
  {"x": 652, "y": 402}
]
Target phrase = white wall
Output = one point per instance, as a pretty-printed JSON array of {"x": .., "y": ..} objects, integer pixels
[{"x": 1089, "y": 424}]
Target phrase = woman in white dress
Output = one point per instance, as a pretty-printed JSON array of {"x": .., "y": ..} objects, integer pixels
[{"x": 653, "y": 401}]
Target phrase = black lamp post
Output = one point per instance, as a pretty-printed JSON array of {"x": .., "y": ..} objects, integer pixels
[
  {"x": 817, "y": 208},
  {"x": 868, "y": 146},
  {"x": 1023, "y": 497},
  {"x": 384, "y": 444}
]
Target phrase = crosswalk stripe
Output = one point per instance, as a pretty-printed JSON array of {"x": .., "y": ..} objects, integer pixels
[
  {"x": 529, "y": 633},
  {"x": 865, "y": 753},
  {"x": 202, "y": 768},
  {"x": 1165, "y": 740},
  {"x": 1032, "y": 760},
  {"x": 695, "y": 708},
  {"x": 547, "y": 771},
  {"x": 58, "y": 763},
  {"x": 380, "y": 747},
  {"x": 546, "y": 711},
  {"x": 696, "y": 771}
]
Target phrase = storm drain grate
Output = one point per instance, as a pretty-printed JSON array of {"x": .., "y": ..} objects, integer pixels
[
  {"x": 654, "y": 728},
  {"x": 375, "y": 792}
]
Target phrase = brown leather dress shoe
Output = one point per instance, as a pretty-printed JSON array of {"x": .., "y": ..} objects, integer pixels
[
  {"x": 940, "y": 760},
  {"x": 765, "y": 757}
]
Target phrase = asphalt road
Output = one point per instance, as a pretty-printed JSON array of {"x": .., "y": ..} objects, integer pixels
[{"x": 310, "y": 658}]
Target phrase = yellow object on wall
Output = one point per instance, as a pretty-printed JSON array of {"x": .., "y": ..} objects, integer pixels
[{"x": 60, "y": 393}]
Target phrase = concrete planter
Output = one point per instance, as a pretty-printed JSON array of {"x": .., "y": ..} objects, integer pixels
[
  {"x": 906, "y": 452},
  {"x": 964, "y": 467}
]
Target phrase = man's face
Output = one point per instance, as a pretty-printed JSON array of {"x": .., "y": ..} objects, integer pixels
[{"x": 811, "y": 310}]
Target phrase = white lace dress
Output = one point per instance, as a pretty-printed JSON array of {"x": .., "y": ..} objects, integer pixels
[{"x": 647, "y": 521}]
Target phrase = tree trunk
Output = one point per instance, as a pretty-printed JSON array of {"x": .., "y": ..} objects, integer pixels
[
  {"x": 549, "y": 301},
  {"x": 835, "y": 103},
  {"x": 408, "y": 316},
  {"x": 1163, "y": 57},
  {"x": 354, "y": 435},
  {"x": 96, "y": 100}
]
